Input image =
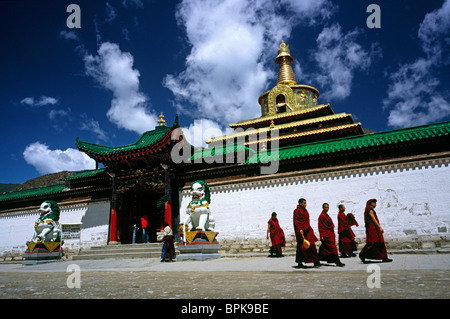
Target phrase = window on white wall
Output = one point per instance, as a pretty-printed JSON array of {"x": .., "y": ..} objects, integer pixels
[{"x": 71, "y": 231}]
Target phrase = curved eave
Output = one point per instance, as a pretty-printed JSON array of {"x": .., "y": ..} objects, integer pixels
[
  {"x": 355, "y": 127},
  {"x": 223, "y": 150},
  {"x": 289, "y": 125},
  {"x": 149, "y": 142},
  {"x": 265, "y": 120},
  {"x": 358, "y": 142},
  {"x": 33, "y": 192}
]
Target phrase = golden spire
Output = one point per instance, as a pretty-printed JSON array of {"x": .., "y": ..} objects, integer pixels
[
  {"x": 161, "y": 120},
  {"x": 284, "y": 60}
]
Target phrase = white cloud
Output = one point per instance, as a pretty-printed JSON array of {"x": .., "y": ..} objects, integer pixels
[
  {"x": 68, "y": 35},
  {"x": 113, "y": 69},
  {"x": 413, "y": 93},
  {"x": 28, "y": 101},
  {"x": 413, "y": 97},
  {"x": 312, "y": 12},
  {"x": 91, "y": 125},
  {"x": 202, "y": 130},
  {"x": 137, "y": 3},
  {"x": 433, "y": 32},
  {"x": 338, "y": 56},
  {"x": 55, "y": 114},
  {"x": 43, "y": 100},
  {"x": 231, "y": 42},
  {"x": 52, "y": 161},
  {"x": 111, "y": 13}
]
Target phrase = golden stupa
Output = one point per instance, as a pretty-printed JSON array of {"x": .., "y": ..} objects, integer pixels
[{"x": 293, "y": 110}]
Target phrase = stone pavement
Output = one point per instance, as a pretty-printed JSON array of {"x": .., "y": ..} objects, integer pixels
[{"x": 257, "y": 277}]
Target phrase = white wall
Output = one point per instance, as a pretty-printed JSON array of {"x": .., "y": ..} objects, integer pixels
[
  {"x": 413, "y": 199},
  {"x": 16, "y": 228}
]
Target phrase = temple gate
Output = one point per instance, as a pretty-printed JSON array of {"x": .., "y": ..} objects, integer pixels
[{"x": 142, "y": 178}]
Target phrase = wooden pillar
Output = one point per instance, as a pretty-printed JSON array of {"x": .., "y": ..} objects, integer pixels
[
  {"x": 113, "y": 227},
  {"x": 113, "y": 216},
  {"x": 168, "y": 194},
  {"x": 168, "y": 212}
]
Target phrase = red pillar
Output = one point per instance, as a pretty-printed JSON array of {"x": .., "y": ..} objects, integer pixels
[
  {"x": 168, "y": 213},
  {"x": 113, "y": 226}
]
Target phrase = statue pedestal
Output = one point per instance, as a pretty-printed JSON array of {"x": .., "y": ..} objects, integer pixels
[
  {"x": 200, "y": 245},
  {"x": 37, "y": 253}
]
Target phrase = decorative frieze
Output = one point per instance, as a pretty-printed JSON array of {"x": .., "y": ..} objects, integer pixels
[{"x": 338, "y": 172}]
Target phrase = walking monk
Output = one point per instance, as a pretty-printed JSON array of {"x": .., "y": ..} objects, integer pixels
[
  {"x": 375, "y": 247},
  {"x": 276, "y": 236},
  {"x": 328, "y": 250},
  {"x": 303, "y": 230},
  {"x": 347, "y": 243}
]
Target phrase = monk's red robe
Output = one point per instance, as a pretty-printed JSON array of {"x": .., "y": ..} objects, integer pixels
[
  {"x": 347, "y": 243},
  {"x": 301, "y": 222},
  {"x": 327, "y": 250},
  {"x": 276, "y": 236},
  {"x": 375, "y": 247}
]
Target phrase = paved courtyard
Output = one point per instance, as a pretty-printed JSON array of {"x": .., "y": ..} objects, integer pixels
[{"x": 408, "y": 276}]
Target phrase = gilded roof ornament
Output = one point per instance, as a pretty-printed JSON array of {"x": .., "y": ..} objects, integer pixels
[
  {"x": 161, "y": 120},
  {"x": 284, "y": 60},
  {"x": 283, "y": 50},
  {"x": 283, "y": 47}
]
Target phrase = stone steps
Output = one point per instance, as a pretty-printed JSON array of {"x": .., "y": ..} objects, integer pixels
[{"x": 152, "y": 250}]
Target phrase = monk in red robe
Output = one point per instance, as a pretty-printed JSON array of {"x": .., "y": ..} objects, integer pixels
[
  {"x": 303, "y": 230},
  {"x": 276, "y": 236},
  {"x": 375, "y": 247},
  {"x": 328, "y": 250},
  {"x": 347, "y": 243}
]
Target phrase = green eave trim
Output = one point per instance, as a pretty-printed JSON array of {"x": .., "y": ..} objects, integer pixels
[
  {"x": 85, "y": 174},
  {"x": 219, "y": 151},
  {"x": 353, "y": 143},
  {"x": 147, "y": 139},
  {"x": 33, "y": 192}
]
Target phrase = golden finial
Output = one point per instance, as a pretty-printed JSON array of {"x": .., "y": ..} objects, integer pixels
[
  {"x": 283, "y": 50},
  {"x": 161, "y": 120},
  {"x": 284, "y": 60},
  {"x": 283, "y": 47}
]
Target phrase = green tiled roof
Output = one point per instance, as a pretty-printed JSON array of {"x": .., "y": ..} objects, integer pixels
[
  {"x": 48, "y": 190},
  {"x": 84, "y": 174},
  {"x": 147, "y": 139},
  {"x": 323, "y": 147},
  {"x": 208, "y": 152},
  {"x": 33, "y": 192},
  {"x": 355, "y": 142}
]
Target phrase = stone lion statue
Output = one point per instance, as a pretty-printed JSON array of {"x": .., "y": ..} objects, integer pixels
[
  {"x": 47, "y": 227},
  {"x": 198, "y": 215}
]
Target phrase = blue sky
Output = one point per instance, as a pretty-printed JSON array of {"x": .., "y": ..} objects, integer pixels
[{"x": 108, "y": 81}]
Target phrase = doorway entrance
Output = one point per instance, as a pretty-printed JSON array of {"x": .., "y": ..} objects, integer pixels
[{"x": 140, "y": 215}]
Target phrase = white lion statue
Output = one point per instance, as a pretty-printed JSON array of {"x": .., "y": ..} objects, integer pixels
[
  {"x": 47, "y": 227},
  {"x": 198, "y": 215}
]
